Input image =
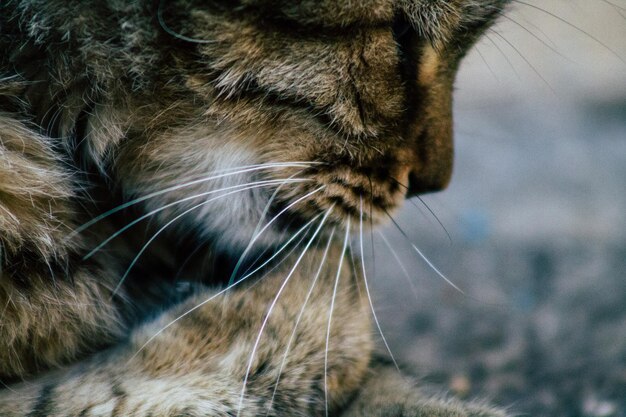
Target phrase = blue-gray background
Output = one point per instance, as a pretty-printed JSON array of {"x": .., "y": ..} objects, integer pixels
[{"x": 537, "y": 216}]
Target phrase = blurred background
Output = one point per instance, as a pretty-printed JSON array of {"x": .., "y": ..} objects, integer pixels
[{"x": 536, "y": 214}]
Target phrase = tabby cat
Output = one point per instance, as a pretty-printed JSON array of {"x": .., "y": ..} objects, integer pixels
[{"x": 180, "y": 182}]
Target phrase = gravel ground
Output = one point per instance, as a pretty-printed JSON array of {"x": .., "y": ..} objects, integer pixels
[{"x": 537, "y": 218}]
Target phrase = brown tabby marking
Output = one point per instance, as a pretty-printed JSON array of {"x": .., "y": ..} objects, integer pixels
[{"x": 203, "y": 124}]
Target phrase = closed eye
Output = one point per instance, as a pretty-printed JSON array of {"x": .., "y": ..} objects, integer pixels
[
  {"x": 405, "y": 37},
  {"x": 401, "y": 29}
]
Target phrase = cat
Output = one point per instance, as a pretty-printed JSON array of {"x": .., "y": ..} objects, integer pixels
[{"x": 179, "y": 186}]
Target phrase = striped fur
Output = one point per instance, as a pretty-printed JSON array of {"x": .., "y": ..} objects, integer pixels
[{"x": 197, "y": 122}]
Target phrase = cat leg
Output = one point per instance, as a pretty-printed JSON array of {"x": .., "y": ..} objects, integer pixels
[
  {"x": 388, "y": 393},
  {"x": 238, "y": 353},
  {"x": 51, "y": 306}
]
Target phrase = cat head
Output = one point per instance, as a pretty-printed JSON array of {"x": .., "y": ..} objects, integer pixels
[{"x": 349, "y": 100}]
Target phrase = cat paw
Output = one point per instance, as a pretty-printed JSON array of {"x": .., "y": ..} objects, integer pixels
[
  {"x": 438, "y": 408},
  {"x": 387, "y": 393},
  {"x": 423, "y": 408}
]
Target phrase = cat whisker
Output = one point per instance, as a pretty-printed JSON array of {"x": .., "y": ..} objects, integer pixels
[
  {"x": 504, "y": 55},
  {"x": 424, "y": 258},
  {"x": 225, "y": 172},
  {"x": 371, "y": 204},
  {"x": 430, "y": 264},
  {"x": 570, "y": 24},
  {"x": 614, "y": 5},
  {"x": 175, "y": 34},
  {"x": 397, "y": 258},
  {"x": 367, "y": 290},
  {"x": 546, "y": 37},
  {"x": 550, "y": 47},
  {"x": 256, "y": 232},
  {"x": 277, "y": 265},
  {"x": 619, "y": 9},
  {"x": 526, "y": 60},
  {"x": 295, "y": 327},
  {"x": 421, "y": 200},
  {"x": 273, "y": 304},
  {"x": 7, "y": 387},
  {"x": 169, "y": 223},
  {"x": 229, "y": 287},
  {"x": 482, "y": 57},
  {"x": 188, "y": 259},
  {"x": 238, "y": 187},
  {"x": 269, "y": 223},
  {"x": 353, "y": 265},
  {"x": 263, "y": 253},
  {"x": 330, "y": 312},
  {"x": 214, "y": 176}
]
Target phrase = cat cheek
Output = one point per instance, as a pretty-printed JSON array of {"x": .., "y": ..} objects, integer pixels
[{"x": 192, "y": 178}]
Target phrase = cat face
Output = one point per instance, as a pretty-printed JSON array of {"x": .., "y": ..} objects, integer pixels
[{"x": 359, "y": 91}]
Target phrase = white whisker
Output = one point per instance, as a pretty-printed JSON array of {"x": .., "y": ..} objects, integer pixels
[
  {"x": 257, "y": 228},
  {"x": 330, "y": 313},
  {"x": 166, "y": 225},
  {"x": 573, "y": 26},
  {"x": 525, "y": 59},
  {"x": 504, "y": 55},
  {"x": 188, "y": 198},
  {"x": 295, "y": 327},
  {"x": 531, "y": 33},
  {"x": 277, "y": 265},
  {"x": 424, "y": 258},
  {"x": 273, "y": 304},
  {"x": 367, "y": 289},
  {"x": 397, "y": 258},
  {"x": 268, "y": 224},
  {"x": 214, "y": 296},
  {"x": 223, "y": 173}
]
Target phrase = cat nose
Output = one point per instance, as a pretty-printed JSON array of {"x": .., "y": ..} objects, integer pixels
[
  {"x": 419, "y": 185},
  {"x": 433, "y": 159},
  {"x": 428, "y": 86}
]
